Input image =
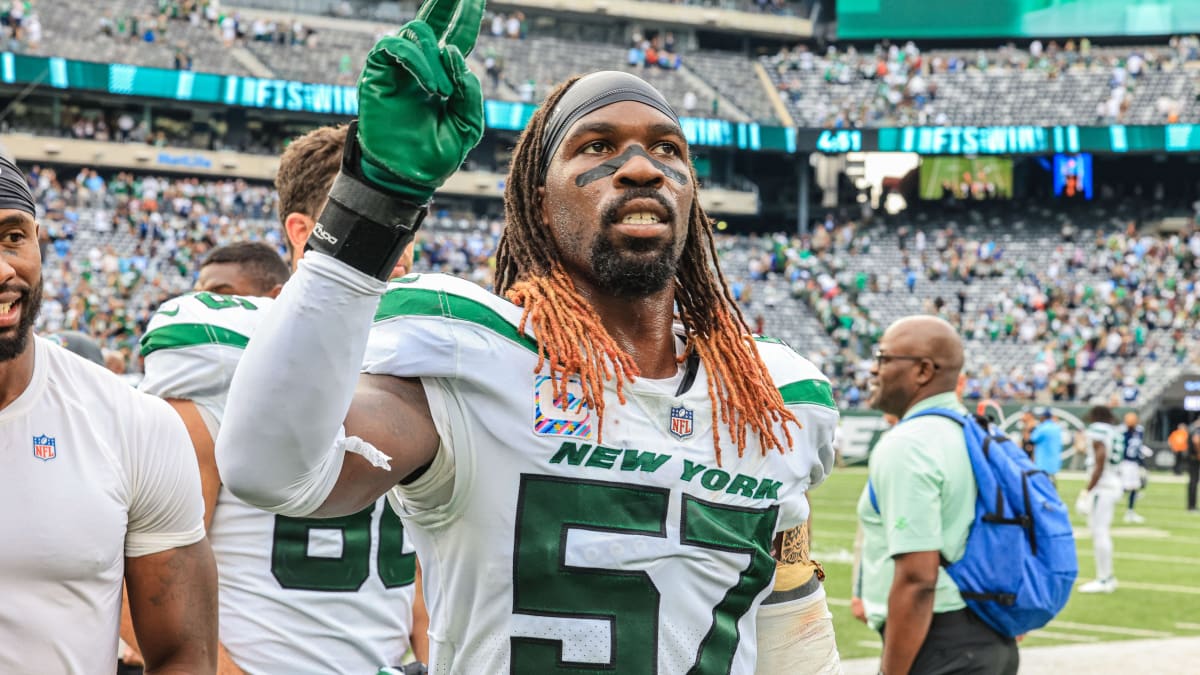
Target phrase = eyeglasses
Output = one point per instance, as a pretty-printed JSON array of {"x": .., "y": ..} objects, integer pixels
[{"x": 882, "y": 359}]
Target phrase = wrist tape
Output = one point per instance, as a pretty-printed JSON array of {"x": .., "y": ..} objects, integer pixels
[{"x": 362, "y": 225}]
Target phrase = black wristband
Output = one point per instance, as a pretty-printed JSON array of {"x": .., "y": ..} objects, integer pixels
[{"x": 362, "y": 225}]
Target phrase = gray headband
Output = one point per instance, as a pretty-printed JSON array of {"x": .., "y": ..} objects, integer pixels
[
  {"x": 589, "y": 94},
  {"x": 14, "y": 191}
]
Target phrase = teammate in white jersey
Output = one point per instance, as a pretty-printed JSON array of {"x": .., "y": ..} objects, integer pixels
[
  {"x": 589, "y": 485},
  {"x": 1104, "y": 490},
  {"x": 97, "y": 485},
  {"x": 297, "y": 595}
]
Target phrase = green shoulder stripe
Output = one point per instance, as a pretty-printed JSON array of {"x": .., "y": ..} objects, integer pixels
[
  {"x": 179, "y": 335},
  {"x": 424, "y": 302},
  {"x": 813, "y": 392}
]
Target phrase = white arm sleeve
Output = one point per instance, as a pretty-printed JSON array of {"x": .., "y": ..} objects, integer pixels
[{"x": 280, "y": 447}]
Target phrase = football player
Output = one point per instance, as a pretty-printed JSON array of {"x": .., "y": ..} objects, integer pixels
[
  {"x": 591, "y": 484},
  {"x": 297, "y": 595},
  {"x": 1132, "y": 468},
  {"x": 1107, "y": 449}
]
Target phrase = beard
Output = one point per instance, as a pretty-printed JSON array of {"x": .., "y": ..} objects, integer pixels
[
  {"x": 894, "y": 401},
  {"x": 627, "y": 276},
  {"x": 31, "y": 304},
  {"x": 629, "y": 272}
]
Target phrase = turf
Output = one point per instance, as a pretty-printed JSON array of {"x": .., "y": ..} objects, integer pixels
[{"x": 1157, "y": 565}]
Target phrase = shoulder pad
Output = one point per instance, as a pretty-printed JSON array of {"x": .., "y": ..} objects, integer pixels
[{"x": 204, "y": 319}]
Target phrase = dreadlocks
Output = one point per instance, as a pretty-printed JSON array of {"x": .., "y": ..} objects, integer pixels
[{"x": 572, "y": 339}]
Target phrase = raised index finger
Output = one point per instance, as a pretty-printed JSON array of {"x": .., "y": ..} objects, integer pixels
[{"x": 454, "y": 22}]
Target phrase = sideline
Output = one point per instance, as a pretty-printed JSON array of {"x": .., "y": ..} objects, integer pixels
[{"x": 1122, "y": 657}]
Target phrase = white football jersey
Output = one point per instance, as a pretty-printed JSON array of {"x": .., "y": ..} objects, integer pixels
[
  {"x": 298, "y": 595},
  {"x": 555, "y": 549},
  {"x": 1113, "y": 438},
  {"x": 92, "y": 472}
]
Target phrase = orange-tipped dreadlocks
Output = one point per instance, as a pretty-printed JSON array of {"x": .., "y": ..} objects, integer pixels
[{"x": 572, "y": 339}]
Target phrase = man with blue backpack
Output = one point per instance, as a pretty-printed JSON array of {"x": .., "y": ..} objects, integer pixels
[{"x": 966, "y": 543}]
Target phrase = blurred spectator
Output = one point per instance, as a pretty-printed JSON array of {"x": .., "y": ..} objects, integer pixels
[
  {"x": 1178, "y": 442},
  {"x": 183, "y": 60},
  {"x": 906, "y": 81}
]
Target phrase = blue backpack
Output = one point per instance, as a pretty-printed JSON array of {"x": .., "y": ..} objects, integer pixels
[{"x": 1020, "y": 564}]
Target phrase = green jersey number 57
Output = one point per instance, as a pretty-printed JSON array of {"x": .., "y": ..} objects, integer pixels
[{"x": 626, "y": 600}]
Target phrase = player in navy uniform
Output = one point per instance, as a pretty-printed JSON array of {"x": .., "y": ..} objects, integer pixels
[{"x": 1132, "y": 468}]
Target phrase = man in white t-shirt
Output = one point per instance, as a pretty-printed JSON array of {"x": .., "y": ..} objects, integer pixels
[{"x": 98, "y": 484}]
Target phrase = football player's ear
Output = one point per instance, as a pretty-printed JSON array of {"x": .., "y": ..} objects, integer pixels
[
  {"x": 298, "y": 227},
  {"x": 274, "y": 292}
]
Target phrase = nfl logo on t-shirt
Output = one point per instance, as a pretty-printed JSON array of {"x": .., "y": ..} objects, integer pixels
[
  {"x": 44, "y": 448},
  {"x": 681, "y": 422}
]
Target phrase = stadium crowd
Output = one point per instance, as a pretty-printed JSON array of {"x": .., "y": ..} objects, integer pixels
[
  {"x": 1111, "y": 302},
  {"x": 905, "y": 81},
  {"x": 1044, "y": 83},
  {"x": 114, "y": 248},
  {"x": 835, "y": 85}
]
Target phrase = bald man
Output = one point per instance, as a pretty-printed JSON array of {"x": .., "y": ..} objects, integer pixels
[{"x": 925, "y": 491}]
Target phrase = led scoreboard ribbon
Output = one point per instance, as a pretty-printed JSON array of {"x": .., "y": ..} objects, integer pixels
[
  {"x": 331, "y": 99},
  {"x": 1004, "y": 140}
]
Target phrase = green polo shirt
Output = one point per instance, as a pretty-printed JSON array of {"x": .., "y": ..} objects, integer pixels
[{"x": 926, "y": 493}]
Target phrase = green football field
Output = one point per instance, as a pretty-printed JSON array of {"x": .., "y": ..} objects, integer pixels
[{"x": 1157, "y": 566}]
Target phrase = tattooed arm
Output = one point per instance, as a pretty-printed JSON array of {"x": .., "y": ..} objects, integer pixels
[
  {"x": 793, "y": 557},
  {"x": 792, "y": 545},
  {"x": 173, "y": 601}
]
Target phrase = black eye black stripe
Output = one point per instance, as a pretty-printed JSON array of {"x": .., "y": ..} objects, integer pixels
[{"x": 614, "y": 165}]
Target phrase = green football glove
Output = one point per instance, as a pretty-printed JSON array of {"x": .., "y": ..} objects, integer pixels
[{"x": 420, "y": 109}]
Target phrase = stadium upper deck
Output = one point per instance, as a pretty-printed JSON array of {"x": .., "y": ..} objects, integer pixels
[{"x": 891, "y": 85}]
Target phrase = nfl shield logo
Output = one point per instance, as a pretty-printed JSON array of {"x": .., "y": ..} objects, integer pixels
[
  {"x": 681, "y": 422},
  {"x": 44, "y": 448}
]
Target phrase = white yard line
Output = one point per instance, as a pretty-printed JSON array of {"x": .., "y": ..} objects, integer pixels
[
  {"x": 1069, "y": 637},
  {"x": 1118, "y": 657},
  {"x": 1147, "y": 557},
  {"x": 1156, "y": 477},
  {"x": 1163, "y": 588},
  {"x": 819, "y": 515},
  {"x": 1111, "y": 630},
  {"x": 1142, "y": 532},
  {"x": 841, "y": 556}
]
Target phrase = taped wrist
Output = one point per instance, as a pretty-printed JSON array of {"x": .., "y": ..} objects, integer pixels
[{"x": 363, "y": 225}]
